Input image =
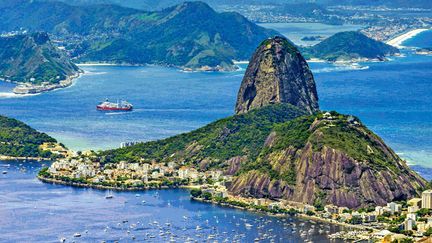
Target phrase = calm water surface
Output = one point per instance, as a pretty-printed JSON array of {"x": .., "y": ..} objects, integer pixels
[
  {"x": 296, "y": 31},
  {"x": 32, "y": 211},
  {"x": 392, "y": 98}
]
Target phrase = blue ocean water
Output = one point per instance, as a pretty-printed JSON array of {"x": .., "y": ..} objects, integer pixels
[
  {"x": 32, "y": 211},
  {"x": 392, "y": 98},
  {"x": 166, "y": 102},
  {"x": 296, "y": 31}
]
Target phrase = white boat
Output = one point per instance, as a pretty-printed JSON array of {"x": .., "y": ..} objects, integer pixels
[
  {"x": 4, "y": 172},
  {"x": 248, "y": 225},
  {"x": 77, "y": 235}
]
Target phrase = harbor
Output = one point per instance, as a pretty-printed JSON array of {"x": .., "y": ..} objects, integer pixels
[{"x": 151, "y": 216}]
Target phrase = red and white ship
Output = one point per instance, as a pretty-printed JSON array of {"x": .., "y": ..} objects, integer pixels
[{"x": 120, "y": 105}]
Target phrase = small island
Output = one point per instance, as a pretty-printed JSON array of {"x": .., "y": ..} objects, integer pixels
[
  {"x": 313, "y": 38},
  {"x": 350, "y": 46}
]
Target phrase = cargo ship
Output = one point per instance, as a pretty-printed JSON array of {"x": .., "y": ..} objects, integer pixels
[{"x": 120, "y": 105}]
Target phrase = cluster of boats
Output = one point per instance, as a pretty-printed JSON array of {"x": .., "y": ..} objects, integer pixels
[{"x": 262, "y": 228}]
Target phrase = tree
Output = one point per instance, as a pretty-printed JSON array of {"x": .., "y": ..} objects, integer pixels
[
  {"x": 428, "y": 232},
  {"x": 394, "y": 228},
  {"x": 196, "y": 192},
  {"x": 423, "y": 212},
  {"x": 207, "y": 195}
]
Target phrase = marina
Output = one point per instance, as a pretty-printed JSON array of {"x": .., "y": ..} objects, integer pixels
[{"x": 166, "y": 215}]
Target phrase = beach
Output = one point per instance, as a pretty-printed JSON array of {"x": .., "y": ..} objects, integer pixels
[{"x": 397, "y": 41}]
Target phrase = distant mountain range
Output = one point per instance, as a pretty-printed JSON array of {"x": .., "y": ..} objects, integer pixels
[
  {"x": 350, "y": 45},
  {"x": 32, "y": 58},
  {"x": 190, "y": 35},
  {"x": 160, "y": 4}
]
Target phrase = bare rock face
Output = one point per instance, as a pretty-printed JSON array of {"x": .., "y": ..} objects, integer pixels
[
  {"x": 277, "y": 73},
  {"x": 330, "y": 175}
]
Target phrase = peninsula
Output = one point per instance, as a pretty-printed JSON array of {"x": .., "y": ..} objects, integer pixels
[
  {"x": 278, "y": 154},
  {"x": 34, "y": 63},
  {"x": 20, "y": 141}
]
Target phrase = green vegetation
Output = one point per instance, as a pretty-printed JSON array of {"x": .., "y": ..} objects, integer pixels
[
  {"x": 123, "y": 35},
  {"x": 349, "y": 45},
  {"x": 428, "y": 232},
  {"x": 44, "y": 172},
  {"x": 32, "y": 58},
  {"x": 424, "y": 212},
  {"x": 240, "y": 135},
  {"x": 19, "y": 140},
  {"x": 196, "y": 192},
  {"x": 278, "y": 127}
]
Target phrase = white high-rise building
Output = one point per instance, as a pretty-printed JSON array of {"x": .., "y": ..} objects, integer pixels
[{"x": 427, "y": 199}]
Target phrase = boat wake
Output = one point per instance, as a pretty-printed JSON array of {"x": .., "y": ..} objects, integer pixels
[
  {"x": 340, "y": 68},
  {"x": 8, "y": 95},
  {"x": 114, "y": 113},
  {"x": 90, "y": 73}
]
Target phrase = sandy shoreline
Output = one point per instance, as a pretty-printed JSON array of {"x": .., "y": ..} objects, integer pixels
[
  {"x": 103, "y": 64},
  {"x": 397, "y": 41}
]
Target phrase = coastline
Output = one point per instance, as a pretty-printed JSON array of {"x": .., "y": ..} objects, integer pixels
[
  {"x": 222, "y": 204},
  {"x": 398, "y": 40},
  {"x": 115, "y": 188},
  {"x": 89, "y": 64},
  {"x": 298, "y": 215},
  {"x": 32, "y": 89},
  {"x": 204, "y": 68},
  {"x": 11, "y": 158}
]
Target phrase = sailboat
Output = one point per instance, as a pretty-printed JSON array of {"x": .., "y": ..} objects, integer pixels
[{"x": 109, "y": 195}]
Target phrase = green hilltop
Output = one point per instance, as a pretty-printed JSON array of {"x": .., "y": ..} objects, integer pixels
[
  {"x": 33, "y": 58},
  {"x": 281, "y": 151},
  {"x": 349, "y": 45},
  {"x": 20, "y": 140},
  {"x": 211, "y": 145},
  {"x": 190, "y": 35}
]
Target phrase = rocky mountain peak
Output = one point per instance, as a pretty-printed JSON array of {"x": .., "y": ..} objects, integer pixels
[{"x": 277, "y": 73}]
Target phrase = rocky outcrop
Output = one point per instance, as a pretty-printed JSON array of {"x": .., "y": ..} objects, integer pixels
[
  {"x": 330, "y": 174},
  {"x": 277, "y": 73},
  {"x": 274, "y": 149}
]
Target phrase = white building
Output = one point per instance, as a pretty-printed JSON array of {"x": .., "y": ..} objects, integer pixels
[
  {"x": 413, "y": 209},
  {"x": 412, "y": 216},
  {"x": 409, "y": 224},
  {"x": 394, "y": 207},
  {"x": 427, "y": 199}
]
